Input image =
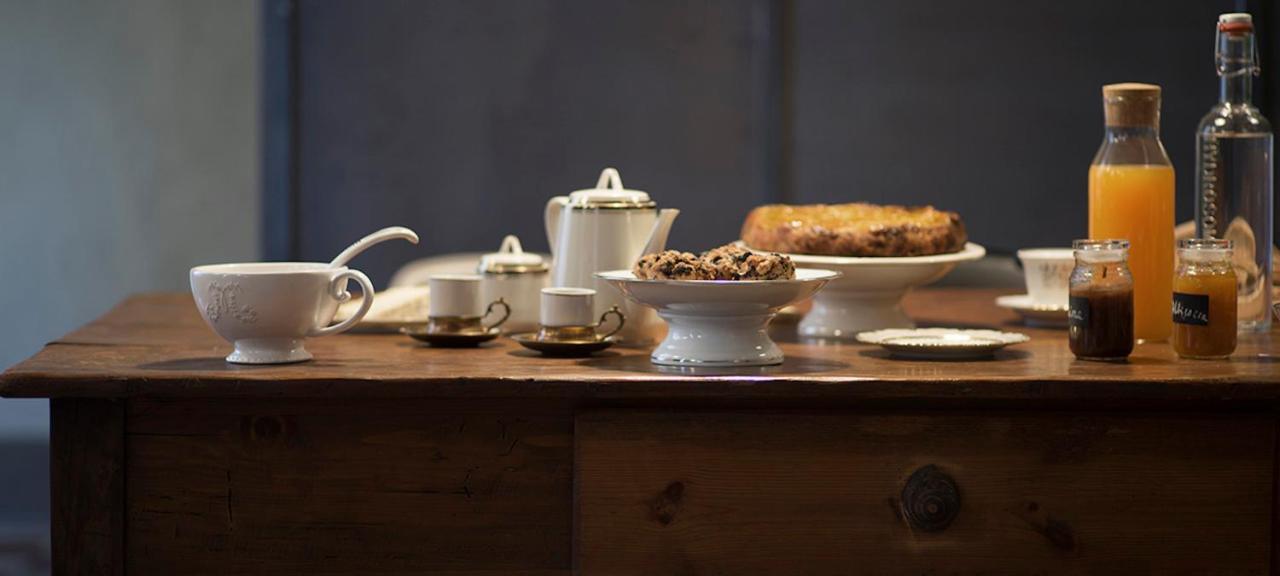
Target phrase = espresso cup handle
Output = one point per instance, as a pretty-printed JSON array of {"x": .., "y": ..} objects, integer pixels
[
  {"x": 621, "y": 320},
  {"x": 338, "y": 289},
  {"x": 506, "y": 313}
]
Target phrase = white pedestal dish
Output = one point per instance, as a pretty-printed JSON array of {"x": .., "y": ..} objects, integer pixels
[
  {"x": 718, "y": 322},
  {"x": 868, "y": 295}
]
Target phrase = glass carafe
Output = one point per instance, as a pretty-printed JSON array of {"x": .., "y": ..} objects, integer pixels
[{"x": 1131, "y": 196}]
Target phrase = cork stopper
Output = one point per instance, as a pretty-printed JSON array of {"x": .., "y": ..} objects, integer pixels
[{"x": 1131, "y": 104}]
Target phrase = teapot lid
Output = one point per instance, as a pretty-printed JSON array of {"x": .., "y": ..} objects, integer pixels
[
  {"x": 609, "y": 193},
  {"x": 511, "y": 259}
]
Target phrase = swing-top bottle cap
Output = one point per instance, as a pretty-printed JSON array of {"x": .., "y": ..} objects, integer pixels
[{"x": 1235, "y": 22}]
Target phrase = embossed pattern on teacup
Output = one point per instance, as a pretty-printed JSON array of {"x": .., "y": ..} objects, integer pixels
[{"x": 223, "y": 301}]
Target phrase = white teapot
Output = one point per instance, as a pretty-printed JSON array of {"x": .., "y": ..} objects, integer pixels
[{"x": 606, "y": 228}]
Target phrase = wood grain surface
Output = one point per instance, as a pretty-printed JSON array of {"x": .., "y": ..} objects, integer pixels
[
  {"x": 87, "y": 476},
  {"x": 818, "y": 493},
  {"x": 157, "y": 345},
  {"x": 331, "y": 487}
]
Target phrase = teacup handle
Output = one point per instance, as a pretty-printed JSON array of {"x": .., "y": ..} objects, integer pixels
[
  {"x": 621, "y": 320},
  {"x": 338, "y": 289},
  {"x": 506, "y": 313}
]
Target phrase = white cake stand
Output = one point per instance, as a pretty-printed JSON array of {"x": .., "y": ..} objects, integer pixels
[
  {"x": 868, "y": 296},
  {"x": 718, "y": 322}
]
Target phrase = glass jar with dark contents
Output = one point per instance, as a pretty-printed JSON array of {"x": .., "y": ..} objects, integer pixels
[{"x": 1100, "y": 316}]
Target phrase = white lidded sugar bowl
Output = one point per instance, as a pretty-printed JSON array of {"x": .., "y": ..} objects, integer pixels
[{"x": 517, "y": 277}]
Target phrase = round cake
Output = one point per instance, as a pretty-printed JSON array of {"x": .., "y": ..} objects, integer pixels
[{"x": 856, "y": 229}]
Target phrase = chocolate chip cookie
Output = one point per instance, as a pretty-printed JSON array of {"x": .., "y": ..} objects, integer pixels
[
  {"x": 673, "y": 265},
  {"x": 737, "y": 263},
  {"x": 727, "y": 262}
]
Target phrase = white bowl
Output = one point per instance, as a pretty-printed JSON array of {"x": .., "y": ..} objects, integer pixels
[
  {"x": 868, "y": 295},
  {"x": 268, "y": 309},
  {"x": 718, "y": 322},
  {"x": 1047, "y": 272}
]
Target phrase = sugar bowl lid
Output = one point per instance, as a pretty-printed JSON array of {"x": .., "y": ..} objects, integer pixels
[
  {"x": 511, "y": 259},
  {"x": 609, "y": 193}
]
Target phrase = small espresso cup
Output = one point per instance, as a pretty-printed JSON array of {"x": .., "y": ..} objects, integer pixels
[
  {"x": 456, "y": 307},
  {"x": 268, "y": 309},
  {"x": 566, "y": 316}
]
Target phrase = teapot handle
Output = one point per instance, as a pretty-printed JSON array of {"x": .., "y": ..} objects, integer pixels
[{"x": 551, "y": 218}]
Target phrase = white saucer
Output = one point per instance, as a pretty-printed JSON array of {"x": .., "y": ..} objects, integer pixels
[
  {"x": 1043, "y": 315},
  {"x": 941, "y": 343},
  {"x": 718, "y": 322},
  {"x": 868, "y": 295}
]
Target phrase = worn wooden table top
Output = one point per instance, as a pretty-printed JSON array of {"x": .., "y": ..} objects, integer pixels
[{"x": 156, "y": 345}]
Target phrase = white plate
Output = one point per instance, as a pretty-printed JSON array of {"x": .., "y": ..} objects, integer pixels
[
  {"x": 868, "y": 295},
  {"x": 1043, "y": 315},
  {"x": 941, "y": 343},
  {"x": 718, "y": 322}
]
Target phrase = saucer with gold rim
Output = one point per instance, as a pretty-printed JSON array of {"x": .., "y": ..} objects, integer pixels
[
  {"x": 562, "y": 348},
  {"x": 451, "y": 339}
]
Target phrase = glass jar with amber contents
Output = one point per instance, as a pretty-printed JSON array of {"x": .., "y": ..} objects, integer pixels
[
  {"x": 1100, "y": 303},
  {"x": 1204, "y": 300}
]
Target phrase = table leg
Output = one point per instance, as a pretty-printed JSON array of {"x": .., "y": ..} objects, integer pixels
[{"x": 86, "y": 443}]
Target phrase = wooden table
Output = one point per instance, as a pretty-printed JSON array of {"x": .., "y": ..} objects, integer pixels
[{"x": 385, "y": 457}]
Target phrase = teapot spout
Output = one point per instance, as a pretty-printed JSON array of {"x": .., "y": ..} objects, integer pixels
[{"x": 661, "y": 228}]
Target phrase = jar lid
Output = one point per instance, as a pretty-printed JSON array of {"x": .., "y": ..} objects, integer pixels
[
  {"x": 511, "y": 259},
  {"x": 1204, "y": 249},
  {"x": 1106, "y": 250},
  {"x": 609, "y": 193}
]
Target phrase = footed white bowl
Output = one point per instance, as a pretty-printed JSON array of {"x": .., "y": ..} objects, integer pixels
[
  {"x": 868, "y": 295},
  {"x": 718, "y": 322}
]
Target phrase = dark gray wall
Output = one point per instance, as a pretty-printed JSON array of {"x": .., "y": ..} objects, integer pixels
[
  {"x": 461, "y": 118},
  {"x": 992, "y": 108}
]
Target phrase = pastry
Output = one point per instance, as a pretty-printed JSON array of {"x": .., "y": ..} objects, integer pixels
[
  {"x": 673, "y": 265},
  {"x": 727, "y": 262},
  {"x": 737, "y": 263},
  {"x": 854, "y": 230}
]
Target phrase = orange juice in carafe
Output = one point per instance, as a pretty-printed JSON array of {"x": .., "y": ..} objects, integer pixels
[
  {"x": 1131, "y": 196},
  {"x": 1135, "y": 202}
]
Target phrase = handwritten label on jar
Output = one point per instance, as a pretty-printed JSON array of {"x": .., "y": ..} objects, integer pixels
[
  {"x": 1191, "y": 309},
  {"x": 1078, "y": 311}
]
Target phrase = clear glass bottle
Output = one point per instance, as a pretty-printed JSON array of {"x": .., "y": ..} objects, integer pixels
[
  {"x": 1101, "y": 303},
  {"x": 1234, "y": 173},
  {"x": 1204, "y": 299},
  {"x": 1131, "y": 196}
]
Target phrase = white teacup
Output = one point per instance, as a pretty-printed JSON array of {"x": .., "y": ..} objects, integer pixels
[
  {"x": 456, "y": 306},
  {"x": 1047, "y": 272},
  {"x": 568, "y": 314},
  {"x": 267, "y": 310},
  {"x": 567, "y": 307}
]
